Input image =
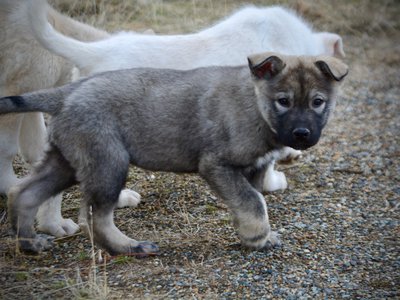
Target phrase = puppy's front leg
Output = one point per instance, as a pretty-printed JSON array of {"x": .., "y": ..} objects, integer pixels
[{"x": 250, "y": 213}]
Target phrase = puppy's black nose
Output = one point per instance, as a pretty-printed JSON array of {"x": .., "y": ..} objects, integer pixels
[{"x": 301, "y": 133}]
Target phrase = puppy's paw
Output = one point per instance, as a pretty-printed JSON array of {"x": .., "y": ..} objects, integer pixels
[
  {"x": 274, "y": 180},
  {"x": 39, "y": 243},
  {"x": 128, "y": 198},
  {"x": 272, "y": 241},
  {"x": 126, "y": 246},
  {"x": 58, "y": 228},
  {"x": 144, "y": 249},
  {"x": 262, "y": 241}
]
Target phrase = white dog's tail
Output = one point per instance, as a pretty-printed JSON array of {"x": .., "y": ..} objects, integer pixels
[
  {"x": 76, "y": 51},
  {"x": 49, "y": 101}
]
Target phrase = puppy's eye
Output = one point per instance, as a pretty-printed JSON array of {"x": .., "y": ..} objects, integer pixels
[
  {"x": 317, "y": 102},
  {"x": 284, "y": 102}
]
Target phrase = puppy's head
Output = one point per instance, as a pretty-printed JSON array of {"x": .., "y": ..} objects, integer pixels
[{"x": 296, "y": 94}]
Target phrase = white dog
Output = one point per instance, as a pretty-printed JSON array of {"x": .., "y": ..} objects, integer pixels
[
  {"x": 250, "y": 30},
  {"x": 26, "y": 66}
]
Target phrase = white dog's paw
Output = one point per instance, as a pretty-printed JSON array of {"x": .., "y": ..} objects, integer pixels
[
  {"x": 274, "y": 180},
  {"x": 50, "y": 220},
  {"x": 59, "y": 227},
  {"x": 288, "y": 155},
  {"x": 128, "y": 198}
]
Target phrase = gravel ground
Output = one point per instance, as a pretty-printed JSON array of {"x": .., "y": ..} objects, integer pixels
[{"x": 339, "y": 219}]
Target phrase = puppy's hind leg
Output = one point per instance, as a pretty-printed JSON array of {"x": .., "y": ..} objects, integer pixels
[
  {"x": 53, "y": 175},
  {"x": 101, "y": 184}
]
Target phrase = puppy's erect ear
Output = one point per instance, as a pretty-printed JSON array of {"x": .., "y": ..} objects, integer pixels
[
  {"x": 331, "y": 67},
  {"x": 266, "y": 69}
]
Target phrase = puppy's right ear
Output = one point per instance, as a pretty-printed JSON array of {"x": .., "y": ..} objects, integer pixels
[
  {"x": 332, "y": 67},
  {"x": 266, "y": 69}
]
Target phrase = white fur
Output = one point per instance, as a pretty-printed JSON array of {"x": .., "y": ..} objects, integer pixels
[
  {"x": 49, "y": 219},
  {"x": 274, "y": 180},
  {"x": 128, "y": 198},
  {"x": 289, "y": 154},
  {"x": 248, "y": 31}
]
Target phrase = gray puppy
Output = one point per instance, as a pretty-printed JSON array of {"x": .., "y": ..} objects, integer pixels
[{"x": 226, "y": 123}]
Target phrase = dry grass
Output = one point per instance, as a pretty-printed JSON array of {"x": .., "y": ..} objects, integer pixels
[
  {"x": 344, "y": 17},
  {"x": 180, "y": 212}
]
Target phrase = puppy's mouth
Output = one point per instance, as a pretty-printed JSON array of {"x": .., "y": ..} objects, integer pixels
[{"x": 301, "y": 146}]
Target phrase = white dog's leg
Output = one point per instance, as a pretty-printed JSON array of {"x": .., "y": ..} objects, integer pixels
[
  {"x": 49, "y": 219},
  {"x": 274, "y": 180},
  {"x": 32, "y": 137},
  {"x": 9, "y": 129},
  {"x": 32, "y": 141}
]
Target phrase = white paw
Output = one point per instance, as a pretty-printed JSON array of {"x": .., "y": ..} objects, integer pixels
[
  {"x": 58, "y": 228},
  {"x": 50, "y": 220},
  {"x": 288, "y": 155},
  {"x": 274, "y": 180},
  {"x": 128, "y": 198}
]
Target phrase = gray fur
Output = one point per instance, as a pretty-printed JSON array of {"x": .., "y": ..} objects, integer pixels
[{"x": 217, "y": 121}]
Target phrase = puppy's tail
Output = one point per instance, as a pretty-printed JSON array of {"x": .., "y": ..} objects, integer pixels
[
  {"x": 49, "y": 101},
  {"x": 82, "y": 54}
]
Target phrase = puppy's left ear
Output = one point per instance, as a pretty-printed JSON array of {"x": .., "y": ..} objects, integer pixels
[
  {"x": 267, "y": 68},
  {"x": 332, "y": 68}
]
